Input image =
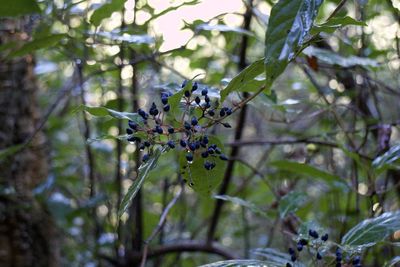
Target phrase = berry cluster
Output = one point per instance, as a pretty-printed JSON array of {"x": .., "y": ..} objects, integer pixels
[
  {"x": 316, "y": 242},
  {"x": 190, "y": 133}
]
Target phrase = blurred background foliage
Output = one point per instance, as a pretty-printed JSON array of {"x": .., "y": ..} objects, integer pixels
[{"x": 306, "y": 149}]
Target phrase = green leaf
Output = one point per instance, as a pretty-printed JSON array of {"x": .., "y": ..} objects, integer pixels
[
  {"x": 222, "y": 28},
  {"x": 291, "y": 203},
  {"x": 9, "y": 151},
  {"x": 105, "y": 11},
  {"x": 238, "y": 263},
  {"x": 175, "y": 100},
  {"x": 245, "y": 80},
  {"x": 335, "y": 23},
  {"x": 201, "y": 180},
  {"x": 244, "y": 203},
  {"x": 333, "y": 58},
  {"x": 393, "y": 262},
  {"x": 105, "y": 112},
  {"x": 274, "y": 257},
  {"x": 14, "y": 8},
  {"x": 388, "y": 158},
  {"x": 143, "y": 172},
  {"x": 155, "y": 16},
  {"x": 305, "y": 169},
  {"x": 288, "y": 29},
  {"x": 43, "y": 42},
  {"x": 370, "y": 231}
]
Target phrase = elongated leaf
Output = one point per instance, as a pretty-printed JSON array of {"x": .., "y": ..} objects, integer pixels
[
  {"x": 105, "y": 11},
  {"x": 393, "y": 262},
  {"x": 333, "y": 58},
  {"x": 243, "y": 203},
  {"x": 335, "y": 23},
  {"x": 245, "y": 80},
  {"x": 175, "y": 100},
  {"x": 155, "y": 16},
  {"x": 14, "y": 8},
  {"x": 143, "y": 172},
  {"x": 288, "y": 29},
  {"x": 201, "y": 180},
  {"x": 370, "y": 231},
  {"x": 389, "y": 157},
  {"x": 222, "y": 28},
  {"x": 305, "y": 169},
  {"x": 44, "y": 42},
  {"x": 238, "y": 263},
  {"x": 274, "y": 257},
  {"x": 291, "y": 202},
  {"x": 104, "y": 112}
]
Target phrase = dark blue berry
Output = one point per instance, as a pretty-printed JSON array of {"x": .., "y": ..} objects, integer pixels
[
  {"x": 129, "y": 131},
  {"x": 207, "y": 99},
  {"x": 356, "y": 260},
  {"x": 293, "y": 258},
  {"x": 187, "y": 94},
  {"x": 132, "y": 125},
  {"x": 189, "y": 157},
  {"x": 303, "y": 242},
  {"x": 299, "y": 247},
  {"x": 182, "y": 143},
  {"x": 223, "y": 157},
  {"x": 192, "y": 146},
  {"x": 288, "y": 265},
  {"x": 209, "y": 165},
  {"x": 141, "y": 146},
  {"x": 291, "y": 251},
  {"x": 218, "y": 150},
  {"x": 210, "y": 150},
  {"x": 228, "y": 111},
  {"x": 171, "y": 144},
  {"x": 194, "y": 121},
  {"x": 211, "y": 113},
  {"x": 313, "y": 233},
  {"x": 164, "y": 99},
  {"x": 226, "y": 125},
  {"x": 204, "y": 91},
  {"x": 187, "y": 125},
  {"x": 153, "y": 109},
  {"x": 222, "y": 113},
  {"x": 194, "y": 86},
  {"x": 319, "y": 256},
  {"x": 171, "y": 130},
  {"x": 197, "y": 100},
  {"x": 146, "y": 157},
  {"x": 205, "y": 139},
  {"x": 167, "y": 108},
  {"x": 204, "y": 154},
  {"x": 146, "y": 143},
  {"x": 184, "y": 83},
  {"x": 159, "y": 129},
  {"x": 134, "y": 139},
  {"x": 338, "y": 264},
  {"x": 324, "y": 237},
  {"x": 143, "y": 114}
]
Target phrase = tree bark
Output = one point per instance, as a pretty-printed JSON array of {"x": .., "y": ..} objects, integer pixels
[{"x": 27, "y": 233}]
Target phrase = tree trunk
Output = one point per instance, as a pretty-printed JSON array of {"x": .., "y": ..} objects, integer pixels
[{"x": 27, "y": 233}]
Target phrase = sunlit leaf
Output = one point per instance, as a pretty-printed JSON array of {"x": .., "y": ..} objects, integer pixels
[
  {"x": 370, "y": 231},
  {"x": 333, "y": 58},
  {"x": 143, "y": 172},
  {"x": 104, "y": 112},
  {"x": 43, "y": 42},
  {"x": 105, "y": 11},
  {"x": 389, "y": 157},
  {"x": 14, "y": 8},
  {"x": 243, "y": 203},
  {"x": 246, "y": 80},
  {"x": 288, "y": 29},
  {"x": 335, "y": 23},
  {"x": 274, "y": 257}
]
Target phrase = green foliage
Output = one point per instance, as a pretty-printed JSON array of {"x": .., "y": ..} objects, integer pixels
[
  {"x": 243, "y": 203},
  {"x": 291, "y": 203},
  {"x": 143, "y": 172},
  {"x": 16, "y": 8},
  {"x": 370, "y": 231},
  {"x": 105, "y": 11},
  {"x": 335, "y": 23},
  {"x": 288, "y": 29},
  {"x": 41, "y": 43}
]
